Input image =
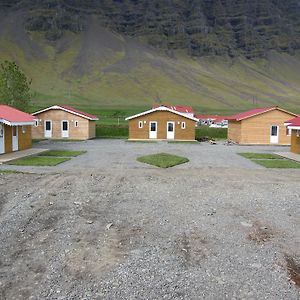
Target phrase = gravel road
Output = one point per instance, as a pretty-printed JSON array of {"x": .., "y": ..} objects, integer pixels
[{"x": 203, "y": 230}]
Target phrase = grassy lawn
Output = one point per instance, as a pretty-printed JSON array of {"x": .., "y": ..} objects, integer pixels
[
  {"x": 140, "y": 141},
  {"x": 281, "y": 163},
  {"x": 61, "y": 153},
  {"x": 112, "y": 131},
  {"x": 38, "y": 161},
  {"x": 163, "y": 160},
  {"x": 211, "y": 133},
  {"x": 260, "y": 155}
]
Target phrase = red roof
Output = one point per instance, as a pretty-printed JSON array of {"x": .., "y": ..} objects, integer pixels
[
  {"x": 179, "y": 108},
  {"x": 294, "y": 122},
  {"x": 250, "y": 113},
  {"x": 13, "y": 115},
  {"x": 78, "y": 111},
  {"x": 69, "y": 109}
]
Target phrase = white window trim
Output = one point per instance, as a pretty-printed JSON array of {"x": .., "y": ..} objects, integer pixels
[
  {"x": 298, "y": 133},
  {"x": 140, "y": 124},
  {"x": 183, "y": 125},
  {"x": 36, "y": 123},
  {"x": 288, "y": 131},
  {"x": 76, "y": 124},
  {"x": 23, "y": 129}
]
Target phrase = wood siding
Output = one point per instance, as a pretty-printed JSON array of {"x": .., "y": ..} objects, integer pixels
[
  {"x": 86, "y": 129},
  {"x": 295, "y": 142},
  {"x": 257, "y": 129},
  {"x": 24, "y": 138},
  {"x": 162, "y": 117}
]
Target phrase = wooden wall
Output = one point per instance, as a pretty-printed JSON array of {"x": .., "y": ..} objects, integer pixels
[
  {"x": 162, "y": 117},
  {"x": 24, "y": 138},
  {"x": 295, "y": 142},
  {"x": 85, "y": 130},
  {"x": 257, "y": 129}
]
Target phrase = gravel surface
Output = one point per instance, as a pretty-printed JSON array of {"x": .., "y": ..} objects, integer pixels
[{"x": 218, "y": 227}]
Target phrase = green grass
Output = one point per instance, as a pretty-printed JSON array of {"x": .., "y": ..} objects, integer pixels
[
  {"x": 10, "y": 172},
  {"x": 211, "y": 133},
  {"x": 38, "y": 161},
  {"x": 112, "y": 132},
  {"x": 163, "y": 160},
  {"x": 281, "y": 163},
  {"x": 61, "y": 153},
  {"x": 260, "y": 155}
]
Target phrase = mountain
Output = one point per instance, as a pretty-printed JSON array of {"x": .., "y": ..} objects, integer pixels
[{"x": 215, "y": 55}]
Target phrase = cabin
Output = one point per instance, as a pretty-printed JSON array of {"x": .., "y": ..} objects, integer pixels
[
  {"x": 162, "y": 123},
  {"x": 63, "y": 122},
  {"x": 293, "y": 126},
  {"x": 15, "y": 129},
  {"x": 260, "y": 126}
]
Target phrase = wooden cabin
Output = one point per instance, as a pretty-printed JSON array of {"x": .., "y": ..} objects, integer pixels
[
  {"x": 162, "y": 123},
  {"x": 63, "y": 122},
  {"x": 15, "y": 129},
  {"x": 293, "y": 126},
  {"x": 260, "y": 126}
]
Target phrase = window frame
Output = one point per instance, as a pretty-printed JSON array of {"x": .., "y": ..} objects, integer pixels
[
  {"x": 183, "y": 125},
  {"x": 141, "y": 124}
]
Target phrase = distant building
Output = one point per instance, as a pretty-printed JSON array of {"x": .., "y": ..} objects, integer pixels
[
  {"x": 63, "y": 122},
  {"x": 293, "y": 126},
  {"x": 213, "y": 120},
  {"x": 15, "y": 129},
  {"x": 260, "y": 126},
  {"x": 162, "y": 123},
  {"x": 187, "y": 110}
]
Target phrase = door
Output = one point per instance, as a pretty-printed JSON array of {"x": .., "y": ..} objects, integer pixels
[
  {"x": 274, "y": 138},
  {"x": 48, "y": 129},
  {"x": 170, "y": 130},
  {"x": 15, "y": 144},
  {"x": 152, "y": 130},
  {"x": 2, "y": 138},
  {"x": 64, "y": 129}
]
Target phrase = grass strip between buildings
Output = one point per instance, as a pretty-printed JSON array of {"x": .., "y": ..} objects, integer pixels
[
  {"x": 163, "y": 160},
  {"x": 260, "y": 155},
  {"x": 61, "y": 153},
  {"x": 280, "y": 164},
  {"x": 38, "y": 161}
]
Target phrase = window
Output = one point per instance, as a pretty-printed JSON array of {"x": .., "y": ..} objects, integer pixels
[
  {"x": 65, "y": 125},
  {"x": 1, "y": 130},
  {"x": 182, "y": 125},
  {"x": 76, "y": 124},
  {"x": 274, "y": 130},
  {"x": 298, "y": 133},
  {"x": 140, "y": 124},
  {"x": 23, "y": 129},
  {"x": 36, "y": 123},
  {"x": 288, "y": 131}
]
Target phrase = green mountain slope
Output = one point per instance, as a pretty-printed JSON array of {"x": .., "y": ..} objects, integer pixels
[{"x": 100, "y": 68}]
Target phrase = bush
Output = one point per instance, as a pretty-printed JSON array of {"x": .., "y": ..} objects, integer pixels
[
  {"x": 211, "y": 133},
  {"x": 111, "y": 131}
]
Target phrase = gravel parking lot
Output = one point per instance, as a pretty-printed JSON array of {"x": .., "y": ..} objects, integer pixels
[{"x": 104, "y": 226}]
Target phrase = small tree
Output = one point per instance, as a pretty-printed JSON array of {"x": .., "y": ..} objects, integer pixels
[{"x": 14, "y": 86}]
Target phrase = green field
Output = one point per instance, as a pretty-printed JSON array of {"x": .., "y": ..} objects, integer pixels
[{"x": 163, "y": 160}]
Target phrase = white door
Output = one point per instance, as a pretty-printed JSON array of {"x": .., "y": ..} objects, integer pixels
[
  {"x": 48, "y": 129},
  {"x": 152, "y": 130},
  {"x": 64, "y": 129},
  {"x": 170, "y": 130},
  {"x": 2, "y": 149},
  {"x": 274, "y": 138},
  {"x": 15, "y": 144}
]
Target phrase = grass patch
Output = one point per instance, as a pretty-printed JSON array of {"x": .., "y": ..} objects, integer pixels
[
  {"x": 112, "y": 131},
  {"x": 163, "y": 160},
  {"x": 260, "y": 155},
  {"x": 211, "y": 133},
  {"x": 38, "y": 161},
  {"x": 280, "y": 164},
  {"x": 66, "y": 140},
  {"x": 61, "y": 153},
  {"x": 10, "y": 172},
  {"x": 35, "y": 141}
]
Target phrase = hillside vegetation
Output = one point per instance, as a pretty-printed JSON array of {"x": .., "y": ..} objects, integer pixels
[{"x": 96, "y": 64}]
